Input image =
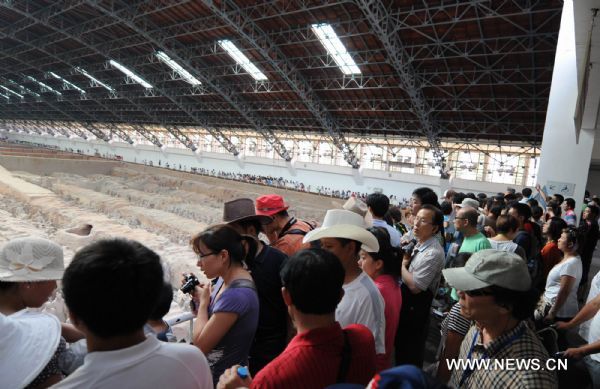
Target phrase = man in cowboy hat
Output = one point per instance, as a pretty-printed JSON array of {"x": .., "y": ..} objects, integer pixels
[
  {"x": 343, "y": 233},
  {"x": 271, "y": 334},
  {"x": 285, "y": 232}
]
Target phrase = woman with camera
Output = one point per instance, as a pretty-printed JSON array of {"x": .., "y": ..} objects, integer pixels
[{"x": 227, "y": 312}]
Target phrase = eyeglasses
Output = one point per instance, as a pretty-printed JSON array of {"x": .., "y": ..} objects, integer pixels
[
  {"x": 205, "y": 255},
  {"x": 479, "y": 292},
  {"x": 418, "y": 220}
]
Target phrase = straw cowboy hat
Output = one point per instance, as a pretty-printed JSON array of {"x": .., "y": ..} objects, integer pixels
[
  {"x": 241, "y": 210},
  {"x": 357, "y": 206},
  {"x": 340, "y": 223},
  {"x": 28, "y": 340},
  {"x": 31, "y": 259}
]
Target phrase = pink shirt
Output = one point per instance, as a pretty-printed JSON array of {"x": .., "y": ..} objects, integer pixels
[{"x": 390, "y": 290}]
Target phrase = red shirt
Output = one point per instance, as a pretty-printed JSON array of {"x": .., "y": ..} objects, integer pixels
[
  {"x": 392, "y": 296},
  {"x": 551, "y": 255},
  {"x": 312, "y": 359}
]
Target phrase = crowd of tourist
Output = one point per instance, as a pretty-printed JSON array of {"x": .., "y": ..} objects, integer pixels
[{"x": 295, "y": 304}]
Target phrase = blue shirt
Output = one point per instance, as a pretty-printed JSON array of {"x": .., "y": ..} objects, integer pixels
[{"x": 394, "y": 234}]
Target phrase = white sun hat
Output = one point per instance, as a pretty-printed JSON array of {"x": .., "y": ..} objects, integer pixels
[
  {"x": 28, "y": 340},
  {"x": 31, "y": 259},
  {"x": 340, "y": 223}
]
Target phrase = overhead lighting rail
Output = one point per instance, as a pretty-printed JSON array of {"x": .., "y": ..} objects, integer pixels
[
  {"x": 131, "y": 74},
  {"x": 48, "y": 87},
  {"x": 67, "y": 82},
  {"x": 187, "y": 77},
  {"x": 242, "y": 60},
  {"x": 11, "y": 92},
  {"x": 335, "y": 48},
  {"x": 94, "y": 79}
]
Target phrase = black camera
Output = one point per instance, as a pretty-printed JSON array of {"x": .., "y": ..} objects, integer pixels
[
  {"x": 190, "y": 283},
  {"x": 408, "y": 247}
]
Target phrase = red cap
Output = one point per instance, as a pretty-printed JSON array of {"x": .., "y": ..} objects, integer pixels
[{"x": 269, "y": 205}]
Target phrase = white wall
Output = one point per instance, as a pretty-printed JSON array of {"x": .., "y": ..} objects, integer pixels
[{"x": 335, "y": 177}]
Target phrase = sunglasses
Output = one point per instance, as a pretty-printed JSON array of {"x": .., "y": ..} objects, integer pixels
[{"x": 479, "y": 292}]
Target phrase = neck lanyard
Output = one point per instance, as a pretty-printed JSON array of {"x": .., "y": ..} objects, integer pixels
[{"x": 468, "y": 371}]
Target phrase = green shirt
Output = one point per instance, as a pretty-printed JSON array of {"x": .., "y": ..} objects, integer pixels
[{"x": 474, "y": 243}]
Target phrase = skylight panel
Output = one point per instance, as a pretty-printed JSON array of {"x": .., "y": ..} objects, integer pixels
[
  {"x": 242, "y": 60},
  {"x": 48, "y": 87},
  {"x": 335, "y": 48},
  {"x": 10, "y": 91},
  {"x": 94, "y": 79},
  {"x": 164, "y": 58},
  {"x": 131, "y": 74},
  {"x": 67, "y": 82}
]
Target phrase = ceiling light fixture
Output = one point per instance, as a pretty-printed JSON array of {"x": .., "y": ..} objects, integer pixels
[
  {"x": 131, "y": 74},
  {"x": 242, "y": 60},
  {"x": 164, "y": 58}
]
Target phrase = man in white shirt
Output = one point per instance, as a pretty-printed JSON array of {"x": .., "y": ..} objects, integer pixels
[
  {"x": 343, "y": 233},
  {"x": 378, "y": 204},
  {"x": 590, "y": 352},
  {"x": 111, "y": 288}
]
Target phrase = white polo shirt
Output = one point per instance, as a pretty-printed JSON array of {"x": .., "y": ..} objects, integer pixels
[
  {"x": 150, "y": 364},
  {"x": 363, "y": 304}
]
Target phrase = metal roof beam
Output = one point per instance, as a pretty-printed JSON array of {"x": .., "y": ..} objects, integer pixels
[
  {"x": 226, "y": 143},
  {"x": 154, "y": 35},
  {"x": 253, "y": 34},
  {"x": 381, "y": 24}
]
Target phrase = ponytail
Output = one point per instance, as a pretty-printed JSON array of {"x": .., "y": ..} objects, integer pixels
[{"x": 224, "y": 237}]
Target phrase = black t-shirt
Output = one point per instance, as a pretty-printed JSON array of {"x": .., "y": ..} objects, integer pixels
[{"x": 271, "y": 334}]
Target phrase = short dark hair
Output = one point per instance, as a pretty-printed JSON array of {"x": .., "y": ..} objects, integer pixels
[
  {"x": 555, "y": 228},
  {"x": 526, "y": 192},
  {"x": 536, "y": 212},
  {"x": 438, "y": 216},
  {"x": 225, "y": 237},
  {"x": 427, "y": 196},
  {"x": 471, "y": 216},
  {"x": 570, "y": 202},
  {"x": 163, "y": 305},
  {"x": 446, "y": 207},
  {"x": 458, "y": 198},
  {"x": 532, "y": 202},
  {"x": 560, "y": 198},
  {"x": 594, "y": 209},
  {"x": 112, "y": 286},
  {"x": 379, "y": 204},
  {"x": 314, "y": 279},
  {"x": 388, "y": 254},
  {"x": 395, "y": 213},
  {"x": 510, "y": 197},
  {"x": 523, "y": 210},
  {"x": 506, "y": 224},
  {"x": 496, "y": 210},
  {"x": 521, "y": 304}
]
